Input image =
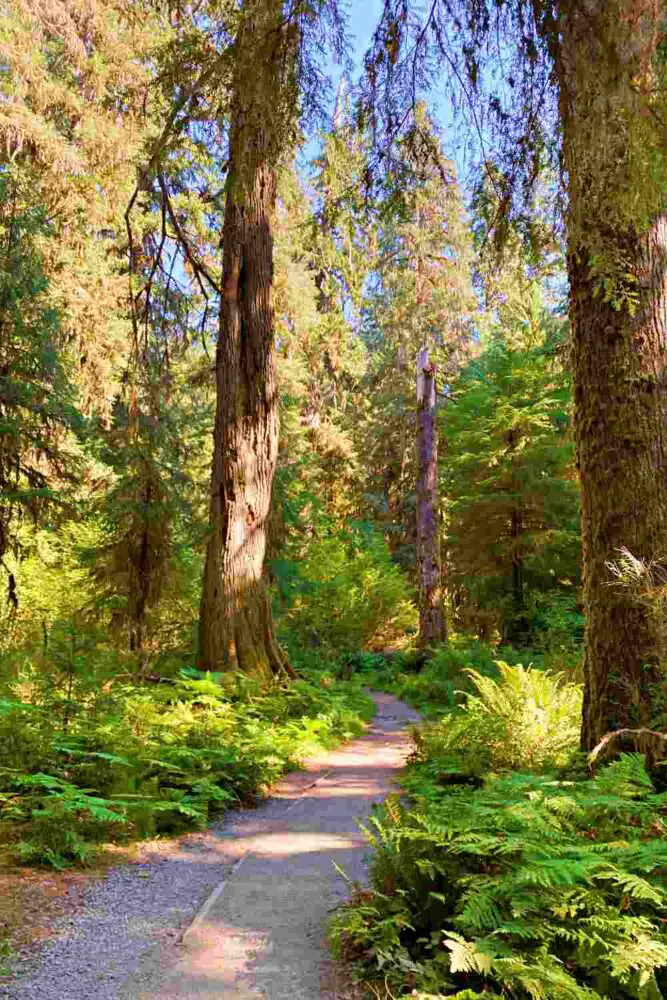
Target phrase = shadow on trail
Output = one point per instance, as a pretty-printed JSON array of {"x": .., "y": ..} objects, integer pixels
[
  {"x": 268, "y": 875},
  {"x": 263, "y": 936}
]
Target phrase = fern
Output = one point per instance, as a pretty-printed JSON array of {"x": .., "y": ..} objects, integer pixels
[
  {"x": 524, "y": 718},
  {"x": 158, "y": 761},
  {"x": 530, "y": 886}
]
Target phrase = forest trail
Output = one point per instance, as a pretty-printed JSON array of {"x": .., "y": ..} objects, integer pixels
[{"x": 262, "y": 885}]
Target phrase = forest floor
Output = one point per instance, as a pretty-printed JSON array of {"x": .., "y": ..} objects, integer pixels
[{"x": 238, "y": 912}]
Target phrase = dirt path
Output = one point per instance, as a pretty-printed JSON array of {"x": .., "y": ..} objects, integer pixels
[{"x": 236, "y": 913}]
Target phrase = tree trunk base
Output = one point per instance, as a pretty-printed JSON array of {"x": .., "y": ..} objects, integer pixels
[{"x": 246, "y": 642}]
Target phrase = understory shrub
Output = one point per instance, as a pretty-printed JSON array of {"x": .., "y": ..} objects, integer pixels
[
  {"x": 346, "y": 594},
  {"x": 437, "y": 680},
  {"x": 159, "y": 758},
  {"x": 526, "y": 888},
  {"x": 523, "y": 719},
  {"x": 432, "y": 682}
]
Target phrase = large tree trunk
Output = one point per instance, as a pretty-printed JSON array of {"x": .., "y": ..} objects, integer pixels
[
  {"x": 619, "y": 349},
  {"x": 432, "y": 621},
  {"x": 516, "y": 631},
  {"x": 236, "y": 629},
  {"x": 621, "y": 412}
]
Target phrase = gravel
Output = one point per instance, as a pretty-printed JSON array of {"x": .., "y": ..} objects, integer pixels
[
  {"x": 134, "y": 908},
  {"x": 137, "y": 914}
]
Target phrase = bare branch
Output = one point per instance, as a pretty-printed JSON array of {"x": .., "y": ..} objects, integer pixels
[
  {"x": 645, "y": 737},
  {"x": 199, "y": 268}
]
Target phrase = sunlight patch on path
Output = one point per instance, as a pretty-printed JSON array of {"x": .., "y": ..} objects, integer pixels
[{"x": 260, "y": 935}]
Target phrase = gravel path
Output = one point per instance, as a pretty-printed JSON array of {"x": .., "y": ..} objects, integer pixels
[{"x": 271, "y": 872}]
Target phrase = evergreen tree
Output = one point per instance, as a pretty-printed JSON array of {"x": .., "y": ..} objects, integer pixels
[
  {"x": 37, "y": 398},
  {"x": 151, "y": 507},
  {"x": 72, "y": 117},
  {"x": 422, "y": 296},
  {"x": 513, "y": 500},
  {"x": 610, "y": 74},
  {"x": 587, "y": 82},
  {"x": 321, "y": 358},
  {"x": 235, "y": 625}
]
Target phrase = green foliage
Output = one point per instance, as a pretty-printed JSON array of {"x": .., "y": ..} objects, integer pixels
[
  {"x": 151, "y": 515},
  {"x": 420, "y": 294},
  {"x": 513, "y": 513},
  {"x": 346, "y": 593},
  {"x": 525, "y": 719},
  {"x": 157, "y": 761},
  {"x": 36, "y": 394},
  {"x": 529, "y": 887},
  {"x": 432, "y": 681},
  {"x": 61, "y": 820}
]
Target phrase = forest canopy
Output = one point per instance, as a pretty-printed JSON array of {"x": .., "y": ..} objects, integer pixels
[{"x": 307, "y": 377}]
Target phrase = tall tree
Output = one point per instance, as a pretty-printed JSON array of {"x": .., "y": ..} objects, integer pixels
[
  {"x": 70, "y": 123},
  {"x": 422, "y": 296},
  {"x": 604, "y": 63},
  {"x": 36, "y": 392},
  {"x": 72, "y": 117},
  {"x": 432, "y": 621},
  {"x": 236, "y": 628},
  {"x": 513, "y": 523},
  {"x": 610, "y": 70}
]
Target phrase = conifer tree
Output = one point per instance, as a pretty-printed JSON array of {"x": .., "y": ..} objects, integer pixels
[
  {"x": 37, "y": 398},
  {"x": 610, "y": 74},
  {"x": 513, "y": 500},
  {"x": 340, "y": 247},
  {"x": 422, "y": 296},
  {"x": 72, "y": 117},
  {"x": 151, "y": 505},
  {"x": 235, "y": 624},
  {"x": 590, "y": 76},
  {"x": 432, "y": 617},
  {"x": 321, "y": 361}
]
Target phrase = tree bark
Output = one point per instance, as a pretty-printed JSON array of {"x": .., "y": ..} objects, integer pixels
[
  {"x": 619, "y": 352},
  {"x": 517, "y": 562},
  {"x": 515, "y": 630},
  {"x": 432, "y": 621},
  {"x": 236, "y": 628}
]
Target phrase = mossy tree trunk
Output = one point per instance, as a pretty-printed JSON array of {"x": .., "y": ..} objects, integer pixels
[
  {"x": 515, "y": 628},
  {"x": 621, "y": 423},
  {"x": 432, "y": 621},
  {"x": 619, "y": 351},
  {"x": 236, "y": 629}
]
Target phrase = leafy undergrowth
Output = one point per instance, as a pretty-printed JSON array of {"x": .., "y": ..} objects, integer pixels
[
  {"x": 545, "y": 883},
  {"x": 159, "y": 760},
  {"x": 523, "y": 719},
  {"x": 438, "y": 682},
  {"x": 434, "y": 685}
]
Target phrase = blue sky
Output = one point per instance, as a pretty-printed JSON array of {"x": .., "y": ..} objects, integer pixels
[{"x": 363, "y": 16}]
